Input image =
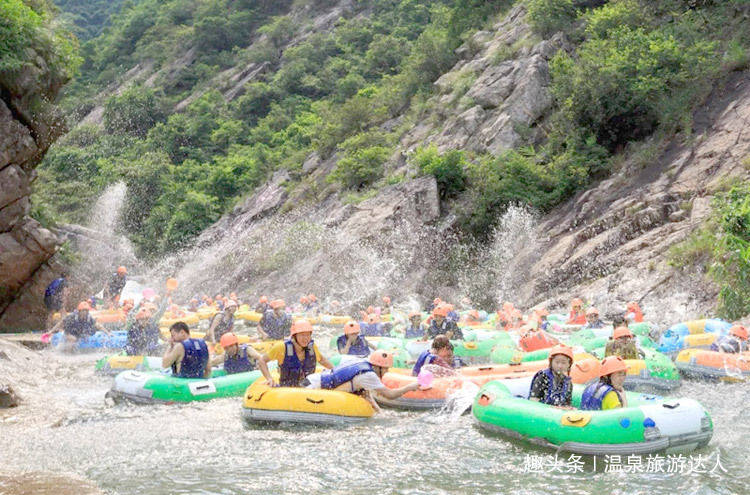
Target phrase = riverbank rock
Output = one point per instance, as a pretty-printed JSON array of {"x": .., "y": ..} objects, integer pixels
[
  {"x": 28, "y": 125},
  {"x": 8, "y": 397}
]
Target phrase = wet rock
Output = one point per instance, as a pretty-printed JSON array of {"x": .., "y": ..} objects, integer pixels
[{"x": 8, "y": 397}]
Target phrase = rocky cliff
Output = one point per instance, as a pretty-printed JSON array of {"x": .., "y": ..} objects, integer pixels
[
  {"x": 607, "y": 244},
  {"x": 28, "y": 125}
]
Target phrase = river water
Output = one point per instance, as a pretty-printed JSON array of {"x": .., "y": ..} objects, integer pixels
[{"x": 205, "y": 448}]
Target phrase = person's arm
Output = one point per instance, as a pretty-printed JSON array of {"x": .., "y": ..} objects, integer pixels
[
  {"x": 371, "y": 345},
  {"x": 321, "y": 358},
  {"x": 210, "y": 335},
  {"x": 58, "y": 326},
  {"x": 347, "y": 345},
  {"x": 371, "y": 399},
  {"x": 174, "y": 354},
  {"x": 207, "y": 371},
  {"x": 162, "y": 309},
  {"x": 260, "y": 359},
  {"x": 261, "y": 330},
  {"x": 217, "y": 359},
  {"x": 538, "y": 387},
  {"x": 395, "y": 393}
]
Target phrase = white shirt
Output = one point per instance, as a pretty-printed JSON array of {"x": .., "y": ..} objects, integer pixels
[{"x": 364, "y": 381}]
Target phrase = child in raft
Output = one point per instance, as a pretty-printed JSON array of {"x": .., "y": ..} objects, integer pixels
[
  {"x": 608, "y": 392},
  {"x": 439, "y": 355},
  {"x": 553, "y": 385}
]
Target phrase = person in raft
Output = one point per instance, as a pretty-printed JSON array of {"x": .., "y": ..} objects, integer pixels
[
  {"x": 362, "y": 377},
  {"x": 352, "y": 342},
  {"x": 633, "y": 312},
  {"x": 79, "y": 324},
  {"x": 439, "y": 354},
  {"x": 733, "y": 343},
  {"x": 608, "y": 392},
  {"x": 623, "y": 344},
  {"x": 553, "y": 385},
  {"x": 387, "y": 308},
  {"x": 238, "y": 358},
  {"x": 592, "y": 319},
  {"x": 577, "y": 315},
  {"x": 440, "y": 325},
  {"x": 222, "y": 322},
  {"x": 263, "y": 305},
  {"x": 115, "y": 285},
  {"x": 276, "y": 323},
  {"x": 414, "y": 329},
  {"x": 187, "y": 357},
  {"x": 297, "y": 356}
]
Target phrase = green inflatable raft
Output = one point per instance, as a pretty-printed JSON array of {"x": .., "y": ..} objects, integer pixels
[
  {"x": 152, "y": 387},
  {"x": 649, "y": 424}
]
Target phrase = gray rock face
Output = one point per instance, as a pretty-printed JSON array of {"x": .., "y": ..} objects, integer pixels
[
  {"x": 28, "y": 125},
  {"x": 508, "y": 96}
]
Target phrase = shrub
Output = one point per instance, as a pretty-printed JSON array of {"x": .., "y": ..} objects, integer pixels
[
  {"x": 134, "y": 111},
  {"x": 550, "y": 16},
  {"x": 448, "y": 169}
]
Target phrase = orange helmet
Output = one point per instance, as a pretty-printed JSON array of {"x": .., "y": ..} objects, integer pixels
[
  {"x": 592, "y": 311},
  {"x": 228, "y": 339},
  {"x": 563, "y": 350},
  {"x": 84, "y": 306},
  {"x": 381, "y": 358},
  {"x": 263, "y": 300},
  {"x": 121, "y": 270},
  {"x": 576, "y": 303},
  {"x": 739, "y": 331},
  {"x": 370, "y": 309},
  {"x": 312, "y": 297},
  {"x": 612, "y": 364},
  {"x": 474, "y": 315},
  {"x": 621, "y": 332},
  {"x": 632, "y": 306},
  {"x": 372, "y": 318},
  {"x": 304, "y": 300},
  {"x": 386, "y": 300},
  {"x": 351, "y": 327},
  {"x": 441, "y": 310},
  {"x": 300, "y": 326},
  {"x": 278, "y": 303}
]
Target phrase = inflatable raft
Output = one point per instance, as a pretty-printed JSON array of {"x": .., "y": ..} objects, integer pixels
[
  {"x": 696, "y": 334},
  {"x": 713, "y": 365},
  {"x": 112, "y": 365},
  {"x": 151, "y": 387},
  {"x": 100, "y": 340},
  {"x": 649, "y": 424},
  {"x": 262, "y": 403}
]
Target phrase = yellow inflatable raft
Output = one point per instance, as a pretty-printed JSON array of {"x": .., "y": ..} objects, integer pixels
[{"x": 302, "y": 405}]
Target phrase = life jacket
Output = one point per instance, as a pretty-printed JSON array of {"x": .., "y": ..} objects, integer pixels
[
  {"x": 292, "y": 371},
  {"x": 414, "y": 332},
  {"x": 594, "y": 394},
  {"x": 446, "y": 326},
  {"x": 727, "y": 343},
  {"x": 239, "y": 363},
  {"x": 555, "y": 396},
  {"x": 79, "y": 328},
  {"x": 194, "y": 361},
  {"x": 142, "y": 339},
  {"x": 359, "y": 348},
  {"x": 626, "y": 351},
  {"x": 637, "y": 315},
  {"x": 341, "y": 374},
  {"x": 223, "y": 326},
  {"x": 276, "y": 328},
  {"x": 371, "y": 329},
  {"x": 577, "y": 318},
  {"x": 51, "y": 289},
  {"x": 537, "y": 340},
  {"x": 425, "y": 358}
]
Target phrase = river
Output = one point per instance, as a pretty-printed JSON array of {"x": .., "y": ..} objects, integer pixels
[{"x": 205, "y": 448}]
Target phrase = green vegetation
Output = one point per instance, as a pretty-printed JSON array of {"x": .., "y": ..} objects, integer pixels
[
  {"x": 723, "y": 247},
  {"x": 88, "y": 17},
  {"x": 27, "y": 30},
  {"x": 638, "y": 70}
]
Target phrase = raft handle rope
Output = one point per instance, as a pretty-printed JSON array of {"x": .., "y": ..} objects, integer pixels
[
  {"x": 314, "y": 401},
  {"x": 671, "y": 406}
]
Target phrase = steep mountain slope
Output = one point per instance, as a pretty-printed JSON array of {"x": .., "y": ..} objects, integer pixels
[
  {"x": 356, "y": 148},
  {"x": 36, "y": 59}
]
